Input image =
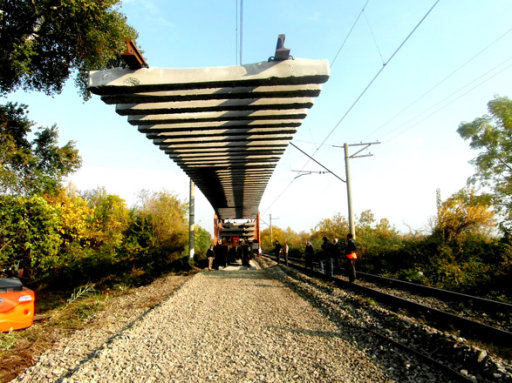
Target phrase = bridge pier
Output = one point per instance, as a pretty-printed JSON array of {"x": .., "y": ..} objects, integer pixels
[{"x": 191, "y": 219}]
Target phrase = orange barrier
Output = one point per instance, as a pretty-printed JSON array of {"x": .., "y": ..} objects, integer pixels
[{"x": 16, "y": 308}]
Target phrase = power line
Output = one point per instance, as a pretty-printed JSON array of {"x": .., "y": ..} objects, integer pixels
[
  {"x": 442, "y": 81},
  {"x": 318, "y": 163},
  {"x": 364, "y": 90},
  {"x": 376, "y": 76},
  {"x": 295, "y": 178},
  {"x": 374, "y": 38},
  {"x": 453, "y": 100},
  {"x": 349, "y": 33},
  {"x": 280, "y": 194}
]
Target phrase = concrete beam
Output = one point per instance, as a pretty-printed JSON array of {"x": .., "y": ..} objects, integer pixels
[
  {"x": 226, "y": 127},
  {"x": 237, "y": 115},
  {"x": 303, "y": 90},
  {"x": 287, "y": 72}
]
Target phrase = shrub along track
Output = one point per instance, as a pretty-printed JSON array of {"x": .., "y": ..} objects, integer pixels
[{"x": 469, "y": 363}]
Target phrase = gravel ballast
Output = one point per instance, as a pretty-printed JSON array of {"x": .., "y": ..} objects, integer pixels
[{"x": 230, "y": 326}]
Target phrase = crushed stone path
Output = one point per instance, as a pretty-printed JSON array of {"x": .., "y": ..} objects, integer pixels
[{"x": 222, "y": 326}]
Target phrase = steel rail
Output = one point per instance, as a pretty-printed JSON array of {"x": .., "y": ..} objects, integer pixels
[
  {"x": 421, "y": 355},
  {"x": 447, "y": 321},
  {"x": 436, "y": 292},
  {"x": 445, "y": 295}
]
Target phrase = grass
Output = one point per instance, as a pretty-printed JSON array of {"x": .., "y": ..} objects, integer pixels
[
  {"x": 57, "y": 317},
  {"x": 61, "y": 312}
]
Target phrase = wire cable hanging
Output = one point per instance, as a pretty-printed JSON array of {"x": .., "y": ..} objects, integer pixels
[
  {"x": 241, "y": 28},
  {"x": 375, "y": 77},
  {"x": 374, "y": 38},
  {"x": 236, "y": 32},
  {"x": 455, "y": 98},
  {"x": 349, "y": 33},
  {"x": 364, "y": 90},
  {"x": 442, "y": 81}
]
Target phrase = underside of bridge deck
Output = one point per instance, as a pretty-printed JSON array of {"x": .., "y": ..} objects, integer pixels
[{"x": 226, "y": 127}]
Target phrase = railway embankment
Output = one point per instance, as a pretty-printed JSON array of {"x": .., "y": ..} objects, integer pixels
[{"x": 248, "y": 325}]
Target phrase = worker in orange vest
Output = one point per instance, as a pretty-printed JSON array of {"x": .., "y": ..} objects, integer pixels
[{"x": 351, "y": 255}]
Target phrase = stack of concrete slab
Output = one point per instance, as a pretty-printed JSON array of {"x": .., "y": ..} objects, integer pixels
[{"x": 226, "y": 127}]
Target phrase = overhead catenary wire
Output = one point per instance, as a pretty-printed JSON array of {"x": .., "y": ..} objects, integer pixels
[
  {"x": 349, "y": 33},
  {"x": 442, "y": 81},
  {"x": 374, "y": 38},
  {"x": 363, "y": 92},
  {"x": 420, "y": 119},
  {"x": 376, "y": 76}
]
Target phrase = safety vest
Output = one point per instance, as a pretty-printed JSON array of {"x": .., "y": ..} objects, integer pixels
[{"x": 352, "y": 255}]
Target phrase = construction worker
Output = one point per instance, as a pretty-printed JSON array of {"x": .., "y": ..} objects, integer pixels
[{"x": 350, "y": 253}]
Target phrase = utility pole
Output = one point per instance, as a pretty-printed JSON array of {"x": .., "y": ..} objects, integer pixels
[
  {"x": 351, "y": 227},
  {"x": 270, "y": 227},
  {"x": 270, "y": 221},
  {"x": 347, "y": 176}
]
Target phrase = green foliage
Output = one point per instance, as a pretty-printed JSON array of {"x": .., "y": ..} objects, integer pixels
[
  {"x": 43, "y": 42},
  {"x": 203, "y": 240},
  {"x": 464, "y": 214},
  {"x": 168, "y": 217},
  {"x": 29, "y": 236},
  {"x": 335, "y": 227},
  {"x": 278, "y": 234},
  {"x": 109, "y": 220},
  {"x": 31, "y": 167},
  {"x": 66, "y": 240},
  {"x": 492, "y": 135}
]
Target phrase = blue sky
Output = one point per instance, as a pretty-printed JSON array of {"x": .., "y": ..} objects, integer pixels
[{"x": 455, "y": 62}]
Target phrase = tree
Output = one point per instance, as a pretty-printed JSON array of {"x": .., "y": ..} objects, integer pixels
[
  {"x": 277, "y": 235},
  {"x": 463, "y": 214},
  {"x": 43, "y": 42},
  {"x": 492, "y": 135},
  {"x": 202, "y": 239},
  {"x": 335, "y": 227},
  {"x": 110, "y": 219},
  {"x": 29, "y": 235},
  {"x": 167, "y": 217},
  {"x": 31, "y": 167}
]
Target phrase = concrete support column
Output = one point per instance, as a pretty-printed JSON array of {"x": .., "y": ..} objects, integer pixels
[
  {"x": 191, "y": 218},
  {"x": 349, "y": 194}
]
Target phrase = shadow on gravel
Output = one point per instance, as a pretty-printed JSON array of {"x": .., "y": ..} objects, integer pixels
[
  {"x": 322, "y": 334},
  {"x": 238, "y": 274},
  {"x": 266, "y": 285}
]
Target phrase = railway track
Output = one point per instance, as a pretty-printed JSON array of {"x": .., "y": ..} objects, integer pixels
[
  {"x": 491, "y": 335},
  {"x": 439, "y": 357}
]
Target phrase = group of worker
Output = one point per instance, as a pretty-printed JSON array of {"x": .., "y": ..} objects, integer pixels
[
  {"x": 221, "y": 255},
  {"x": 332, "y": 256}
]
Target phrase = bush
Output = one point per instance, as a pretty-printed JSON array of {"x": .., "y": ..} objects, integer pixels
[{"x": 29, "y": 237}]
